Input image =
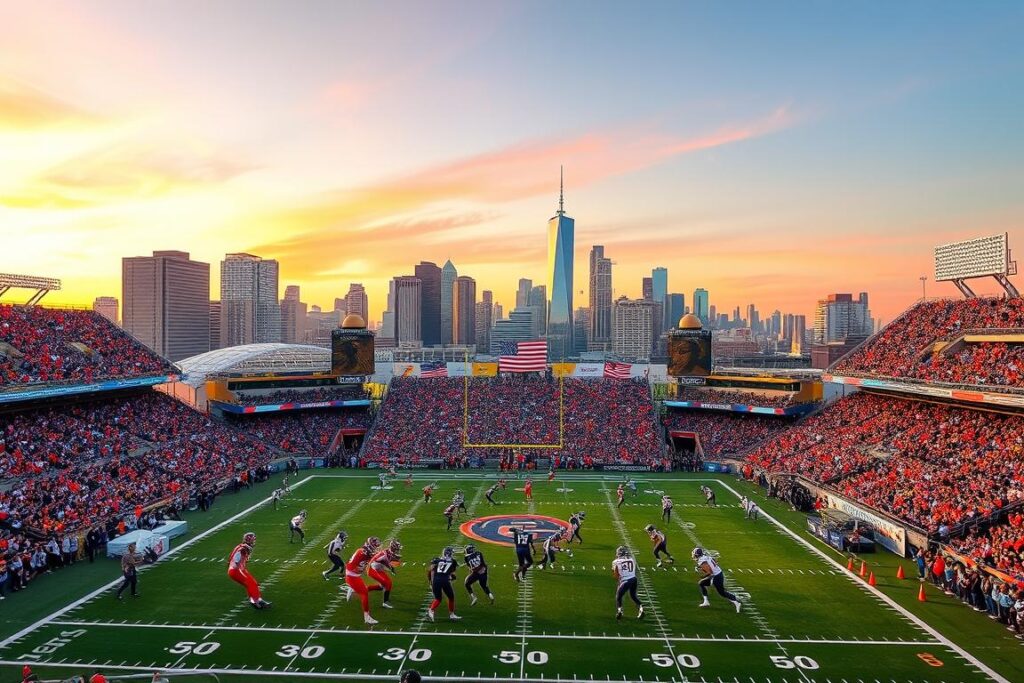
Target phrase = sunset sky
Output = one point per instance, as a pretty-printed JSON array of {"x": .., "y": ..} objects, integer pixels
[{"x": 769, "y": 152}]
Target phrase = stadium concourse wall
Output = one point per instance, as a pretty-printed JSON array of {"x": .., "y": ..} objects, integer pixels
[{"x": 974, "y": 396}]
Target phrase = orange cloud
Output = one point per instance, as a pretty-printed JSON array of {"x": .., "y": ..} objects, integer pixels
[{"x": 23, "y": 107}]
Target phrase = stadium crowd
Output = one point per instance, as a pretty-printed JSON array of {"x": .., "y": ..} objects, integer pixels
[
  {"x": 901, "y": 349},
  {"x": 605, "y": 420},
  {"x": 725, "y": 433},
  {"x": 1002, "y": 601},
  {"x": 43, "y": 345},
  {"x": 315, "y": 395},
  {"x": 730, "y": 396},
  {"x": 309, "y": 432}
]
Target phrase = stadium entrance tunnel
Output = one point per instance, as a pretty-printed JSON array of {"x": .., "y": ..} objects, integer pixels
[{"x": 496, "y": 529}]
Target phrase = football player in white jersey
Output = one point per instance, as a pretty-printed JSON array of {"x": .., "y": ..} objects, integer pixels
[
  {"x": 295, "y": 527},
  {"x": 711, "y": 575},
  {"x": 624, "y": 570},
  {"x": 334, "y": 549},
  {"x": 751, "y": 510}
]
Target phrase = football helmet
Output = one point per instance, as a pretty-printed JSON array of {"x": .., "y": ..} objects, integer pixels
[
  {"x": 394, "y": 547},
  {"x": 649, "y": 528},
  {"x": 697, "y": 553},
  {"x": 302, "y": 513},
  {"x": 343, "y": 536},
  {"x": 448, "y": 553},
  {"x": 249, "y": 539},
  {"x": 372, "y": 544},
  {"x": 470, "y": 549},
  {"x": 622, "y": 551}
]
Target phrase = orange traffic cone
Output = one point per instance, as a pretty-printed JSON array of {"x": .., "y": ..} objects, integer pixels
[
  {"x": 920, "y": 594},
  {"x": 900, "y": 574},
  {"x": 863, "y": 569},
  {"x": 871, "y": 579},
  {"x": 849, "y": 565}
]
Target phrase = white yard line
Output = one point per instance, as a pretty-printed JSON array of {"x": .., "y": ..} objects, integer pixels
[
  {"x": 102, "y": 589},
  {"x": 652, "y": 599},
  {"x": 924, "y": 626},
  {"x": 506, "y": 635}
]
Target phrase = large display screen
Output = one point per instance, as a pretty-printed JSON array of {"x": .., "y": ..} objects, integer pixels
[
  {"x": 351, "y": 353},
  {"x": 689, "y": 353}
]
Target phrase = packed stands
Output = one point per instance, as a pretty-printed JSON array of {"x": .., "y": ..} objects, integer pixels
[
  {"x": 43, "y": 345},
  {"x": 929, "y": 464},
  {"x": 1000, "y": 546},
  {"x": 309, "y": 432},
  {"x": 902, "y": 349},
  {"x": 705, "y": 395},
  {"x": 724, "y": 433},
  {"x": 317, "y": 395},
  {"x": 605, "y": 420}
]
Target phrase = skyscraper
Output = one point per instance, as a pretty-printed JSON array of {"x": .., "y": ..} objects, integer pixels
[
  {"x": 518, "y": 326},
  {"x": 523, "y": 292},
  {"x": 581, "y": 334},
  {"x": 753, "y": 319},
  {"x": 293, "y": 316},
  {"x": 561, "y": 245},
  {"x": 430, "y": 325},
  {"x": 408, "y": 316},
  {"x": 448, "y": 275},
  {"x": 839, "y": 317},
  {"x": 633, "y": 323},
  {"x": 107, "y": 307},
  {"x": 464, "y": 311},
  {"x": 214, "y": 325},
  {"x": 537, "y": 301},
  {"x": 675, "y": 308},
  {"x": 484, "y": 320},
  {"x": 700, "y": 304},
  {"x": 647, "y": 289},
  {"x": 167, "y": 303},
  {"x": 250, "y": 310},
  {"x": 356, "y": 301},
  {"x": 600, "y": 300},
  {"x": 659, "y": 290}
]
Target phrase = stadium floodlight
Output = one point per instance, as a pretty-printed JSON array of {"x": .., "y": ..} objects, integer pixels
[
  {"x": 974, "y": 258},
  {"x": 42, "y": 285}
]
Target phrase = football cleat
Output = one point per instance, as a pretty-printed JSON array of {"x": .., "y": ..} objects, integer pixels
[
  {"x": 472, "y": 599},
  {"x": 640, "y": 612},
  {"x": 490, "y": 596},
  {"x": 454, "y": 617},
  {"x": 348, "y": 593},
  {"x": 386, "y": 605},
  {"x": 739, "y": 606},
  {"x": 369, "y": 621},
  {"x": 618, "y": 614},
  {"x": 430, "y": 614},
  {"x": 324, "y": 574},
  {"x": 515, "y": 576},
  {"x": 704, "y": 604}
]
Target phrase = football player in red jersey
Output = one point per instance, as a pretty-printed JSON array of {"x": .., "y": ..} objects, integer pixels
[
  {"x": 427, "y": 492},
  {"x": 528, "y": 489},
  {"x": 238, "y": 572},
  {"x": 551, "y": 475},
  {"x": 449, "y": 514},
  {"x": 385, "y": 560},
  {"x": 354, "y": 571}
]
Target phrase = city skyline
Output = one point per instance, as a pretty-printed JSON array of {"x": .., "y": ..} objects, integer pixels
[{"x": 129, "y": 129}]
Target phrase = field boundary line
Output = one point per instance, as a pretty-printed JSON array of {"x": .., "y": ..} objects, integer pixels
[
  {"x": 504, "y": 635},
  {"x": 925, "y": 626},
  {"x": 106, "y": 587}
]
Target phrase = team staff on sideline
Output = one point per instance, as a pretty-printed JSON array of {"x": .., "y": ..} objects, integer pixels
[{"x": 130, "y": 562}]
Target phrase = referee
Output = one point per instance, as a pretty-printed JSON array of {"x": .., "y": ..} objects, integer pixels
[{"x": 129, "y": 569}]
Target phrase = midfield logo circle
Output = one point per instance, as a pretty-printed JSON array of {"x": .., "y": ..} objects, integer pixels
[{"x": 495, "y": 529}]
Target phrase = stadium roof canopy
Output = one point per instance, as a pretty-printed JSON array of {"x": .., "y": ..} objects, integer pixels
[{"x": 254, "y": 358}]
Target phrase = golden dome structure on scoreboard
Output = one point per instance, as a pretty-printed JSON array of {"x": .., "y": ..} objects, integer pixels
[
  {"x": 353, "y": 321},
  {"x": 690, "y": 322}
]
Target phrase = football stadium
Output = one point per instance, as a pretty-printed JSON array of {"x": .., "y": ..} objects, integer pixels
[{"x": 288, "y": 512}]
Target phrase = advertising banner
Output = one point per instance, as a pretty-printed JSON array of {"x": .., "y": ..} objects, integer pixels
[
  {"x": 623, "y": 468},
  {"x": 589, "y": 370},
  {"x": 460, "y": 369},
  {"x": 14, "y": 396},
  {"x": 407, "y": 369},
  {"x": 485, "y": 369},
  {"x": 892, "y": 536},
  {"x": 562, "y": 369}
]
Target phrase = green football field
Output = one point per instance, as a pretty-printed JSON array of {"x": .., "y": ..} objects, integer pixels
[{"x": 805, "y": 617}]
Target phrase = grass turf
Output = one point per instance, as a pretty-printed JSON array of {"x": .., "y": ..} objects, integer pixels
[{"x": 804, "y": 618}]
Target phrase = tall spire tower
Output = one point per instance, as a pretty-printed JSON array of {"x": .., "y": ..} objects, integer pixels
[{"x": 561, "y": 242}]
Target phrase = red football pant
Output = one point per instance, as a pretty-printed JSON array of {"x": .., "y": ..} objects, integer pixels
[
  {"x": 246, "y": 579},
  {"x": 357, "y": 584},
  {"x": 437, "y": 603},
  {"x": 380, "y": 577}
]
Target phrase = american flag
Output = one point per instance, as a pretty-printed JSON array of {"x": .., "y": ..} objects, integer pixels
[
  {"x": 435, "y": 368},
  {"x": 527, "y": 356},
  {"x": 617, "y": 370}
]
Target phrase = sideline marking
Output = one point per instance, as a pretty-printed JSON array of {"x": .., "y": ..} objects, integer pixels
[
  {"x": 513, "y": 635},
  {"x": 104, "y": 588},
  {"x": 941, "y": 639}
]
